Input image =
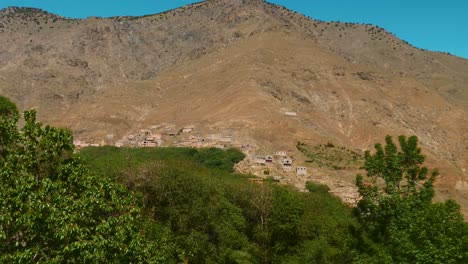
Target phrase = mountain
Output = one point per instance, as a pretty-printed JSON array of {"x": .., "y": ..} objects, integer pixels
[{"x": 235, "y": 67}]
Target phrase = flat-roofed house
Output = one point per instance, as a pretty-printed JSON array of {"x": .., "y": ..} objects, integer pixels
[
  {"x": 281, "y": 153},
  {"x": 150, "y": 138},
  {"x": 171, "y": 133},
  {"x": 187, "y": 130},
  {"x": 301, "y": 171},
  {"x": 290, "y": 113},
  {"x": 259, "y": 160},
  {"x": 150, "y": 144},
  {"x": 226, "y": 139},
  {"x": 286, "y": 162}
]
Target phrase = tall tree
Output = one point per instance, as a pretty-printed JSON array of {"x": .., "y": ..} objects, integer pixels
[
  {"x": 53, "y": 210},
  {"x": 396, "y": 212}
]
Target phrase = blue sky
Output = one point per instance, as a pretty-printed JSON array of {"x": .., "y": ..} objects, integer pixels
[{"x": 440, "y": 25}]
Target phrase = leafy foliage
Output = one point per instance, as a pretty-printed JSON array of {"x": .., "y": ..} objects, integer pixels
[
  {"x": 53, "y": 210},
  {"x": 317, "y": 187},
  {"x": 187, "y": 205},
  {"x": 208, "y": 227},
  {"x": 217, "y": 158},
  {"x": 220, "y": 217},
  {"x": 399, "y": 222},
  {"x": 286, "y": 216},
  {"x": 112, "y": 161}
]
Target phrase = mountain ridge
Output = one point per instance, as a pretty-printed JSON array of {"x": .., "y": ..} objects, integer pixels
[{"x": 32, "y": 10}]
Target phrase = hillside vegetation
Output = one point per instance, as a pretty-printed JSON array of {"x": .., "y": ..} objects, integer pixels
[
  {"x": 173, "y": 205},
  {"x": 220, "y": 217}
]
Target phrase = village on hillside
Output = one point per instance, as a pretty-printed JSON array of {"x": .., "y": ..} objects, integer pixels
[
  {"x": 168, "y": 136},
  {"x": 279, "y": 165}
]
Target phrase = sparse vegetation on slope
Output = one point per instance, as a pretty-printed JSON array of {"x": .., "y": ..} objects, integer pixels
[{"x": 331, "y": 156}]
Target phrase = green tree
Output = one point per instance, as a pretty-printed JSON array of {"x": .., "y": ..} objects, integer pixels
[
  {"x": 286, "y": 216},
  {"x": 399, "y": 223},
  {"x": 219, "y": 159},
  {"x": 7, "y": 107},
  {"x": 185, "y": 196},
  {"x": 53, "y": 210}
]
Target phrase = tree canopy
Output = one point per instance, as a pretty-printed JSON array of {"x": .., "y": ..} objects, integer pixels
[
  {"x": 218, "y": 216},
  {"x": 396, "y": 212},
  {"x": 52, "y": 209}
]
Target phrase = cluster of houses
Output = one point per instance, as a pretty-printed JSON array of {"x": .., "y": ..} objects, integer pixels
[
  {"x": 153, "y": 137},
  {"x": 190, "y": 141},
  {"x": 156, "y": 136},
  {"x": 145, "y": 138},
  {"x": 167, "y": 135},
  {"x": 213, "y": 140},
  {"x": 281, "y": 160}
]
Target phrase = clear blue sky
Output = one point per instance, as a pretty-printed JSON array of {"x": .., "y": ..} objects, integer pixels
[{"x": 440, "y": 25}]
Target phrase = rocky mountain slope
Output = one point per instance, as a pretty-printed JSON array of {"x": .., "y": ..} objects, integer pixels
[{"x": 236, "y": 66}]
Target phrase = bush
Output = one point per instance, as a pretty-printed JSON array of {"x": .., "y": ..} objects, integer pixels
[{"x": 317, "y": 187}]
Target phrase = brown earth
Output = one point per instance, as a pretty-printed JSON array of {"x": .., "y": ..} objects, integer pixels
[{"x": 235, "y": 67}]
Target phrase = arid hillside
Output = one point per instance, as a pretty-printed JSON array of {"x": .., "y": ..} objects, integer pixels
[{"x": 236, "y": 67}]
